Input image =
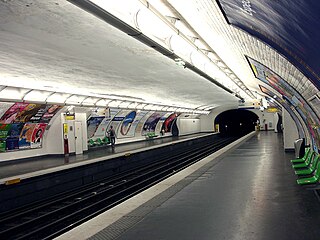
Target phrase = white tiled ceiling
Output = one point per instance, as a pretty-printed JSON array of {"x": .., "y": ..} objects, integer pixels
[
  {"x": 56, "y": 45},
  {"x": 232, "y": 44}
]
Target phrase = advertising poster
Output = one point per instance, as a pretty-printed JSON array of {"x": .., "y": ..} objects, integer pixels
[
  {"x": 39, "y": 111},
  {"x": 13, "y": 136},
  {"x": 138, "y": 131},
  {"x": 31, "y": 135},
  {"x": 288, "y": 26},
  {"x": 287, "y": 108},
  {"x": 12, "y": 113},
  {"x": 28, "y": 112},
  {"x": 37, "y": 135},
  {"x": 126, "y": 125},
  {"x": 24, "y": 112},
  {"x": 4, "y": 130},
  {"x": 151, "y": 123},
  {"x": 139, "y": 116},
  {"x": 104, "y": 125},
  {"x": 117, "y": 120},
  {"x": 164, "y": 116},
  {"x": 2, "y": 145},
  {"x": 4, "y": 106},
  {"x": 50, "y": 112},
  {"x": 93, "y": 124},
  {"x": 291, "y": 96},
  {"x": 167, "y": 125}
]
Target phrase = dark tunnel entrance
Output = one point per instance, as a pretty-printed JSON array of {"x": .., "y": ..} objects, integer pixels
[{"x": 236, "y": 122}]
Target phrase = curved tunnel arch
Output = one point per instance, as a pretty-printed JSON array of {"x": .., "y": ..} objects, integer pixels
[{"x": 236, "y": 122}]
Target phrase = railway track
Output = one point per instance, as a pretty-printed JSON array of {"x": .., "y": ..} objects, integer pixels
[{"x": 52, "y": 217}]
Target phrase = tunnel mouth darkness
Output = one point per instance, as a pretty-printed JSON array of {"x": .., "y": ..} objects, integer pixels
[{"x": 237, "y": 122}]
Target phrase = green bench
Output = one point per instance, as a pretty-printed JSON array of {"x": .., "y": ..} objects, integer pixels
[
  {"x": 306, "y": 163},
  {"x": 307, "y": 168},
  {"x": 313, "y": 179},
  {"x": 310, "y": 169},
  {"x": 98, "y": 141},
  {"x": 151, "y": 135},
  {"x": 91, "y": 143}
]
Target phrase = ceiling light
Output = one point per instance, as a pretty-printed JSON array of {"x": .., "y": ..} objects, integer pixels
[
  {"x": 37, "y": 96},
  {"x": 13, "y": 94}
]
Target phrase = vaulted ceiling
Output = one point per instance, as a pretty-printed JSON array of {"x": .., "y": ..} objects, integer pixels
[{"x": 57, "y": 46}]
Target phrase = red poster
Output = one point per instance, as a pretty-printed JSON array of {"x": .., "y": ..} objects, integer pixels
[
  {"x": 31, "y": 135},
  {"x": 11, "y": 114}
]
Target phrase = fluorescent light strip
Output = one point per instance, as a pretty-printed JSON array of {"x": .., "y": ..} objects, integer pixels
[{"x": 63, "y": 98}]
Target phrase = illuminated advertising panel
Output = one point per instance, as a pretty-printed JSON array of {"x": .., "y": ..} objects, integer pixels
[
  {"x": 291, "y": 96},
  {"x": 284, "y": 104}
]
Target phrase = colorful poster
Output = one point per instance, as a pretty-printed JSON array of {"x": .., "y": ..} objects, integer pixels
[
  {"x": 41, "y": 109},
  {"x": 151, "y": 123},
  {"x": 139, "y": 116},
  {"x": 167, "y": 125},
  {"x": 4, "y": 106},
  {"x": 288, "y": 26},
  {"x": 126, "y": 125},
  {"x": 31, "y": 135},
  {"x": 291, "y": 96},
  {"x": 284, "y": 104},
  {"x": 12, "y": 113},
  {"x": 160, "y": 123},
  {"x": 117, "y": 120},
  {"x": 2, "y": 145},
  {"x": 28, "y": 112},
  {"x": 4, "y": 130},
  {"x": 51, "y": 111},
  {"x": 24, "y": 112},
  {"x": 138, "y": 131},
  {"x": 12, "y": 142},
  {"x": 104, "y": 125},
  {"x": 28, "y": 123}
]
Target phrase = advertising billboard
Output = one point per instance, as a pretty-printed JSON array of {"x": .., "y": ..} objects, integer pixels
[
  {"x": 291, "y": 96},
  {"x": 285, "y": 105},
  {"x": 151, "y": 123},
  {"x": 288, "y": 26}
]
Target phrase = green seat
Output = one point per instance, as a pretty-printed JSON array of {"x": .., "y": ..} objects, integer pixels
[
  {"x": 105, "y": 140},
  {"x": 303, "y": 159},
  {"x": 311, "y": 169},
  {"x": 99, "y": 141},
  {"x": 313, "y": 179},
  {"x": 304, "y": 164},
  {"x": 91, "y": 143}
]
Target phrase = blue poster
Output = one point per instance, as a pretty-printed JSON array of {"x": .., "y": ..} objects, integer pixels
[
  {"x": 127, "y": 124},
  {"x": 12, "y": 142},
  {"x": 151, "y": 123},
  {"x": 289, "y": 26}
]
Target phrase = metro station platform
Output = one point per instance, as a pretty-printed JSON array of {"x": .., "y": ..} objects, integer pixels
[
  {"x": 24, "y": 168},
  {"x": 249, "y": 192}
]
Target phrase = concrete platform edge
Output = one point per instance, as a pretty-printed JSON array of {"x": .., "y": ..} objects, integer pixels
[{"x": 77, "y": 164}]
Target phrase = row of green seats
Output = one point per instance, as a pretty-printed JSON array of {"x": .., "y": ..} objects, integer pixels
[
  {"x": 98, "y": 141},
  {"x": 151, "y": 135},
  {"x": 307, "y": 168}
]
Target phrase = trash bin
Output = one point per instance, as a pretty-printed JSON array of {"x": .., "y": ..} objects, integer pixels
[{"x": 299, "y": 147}]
